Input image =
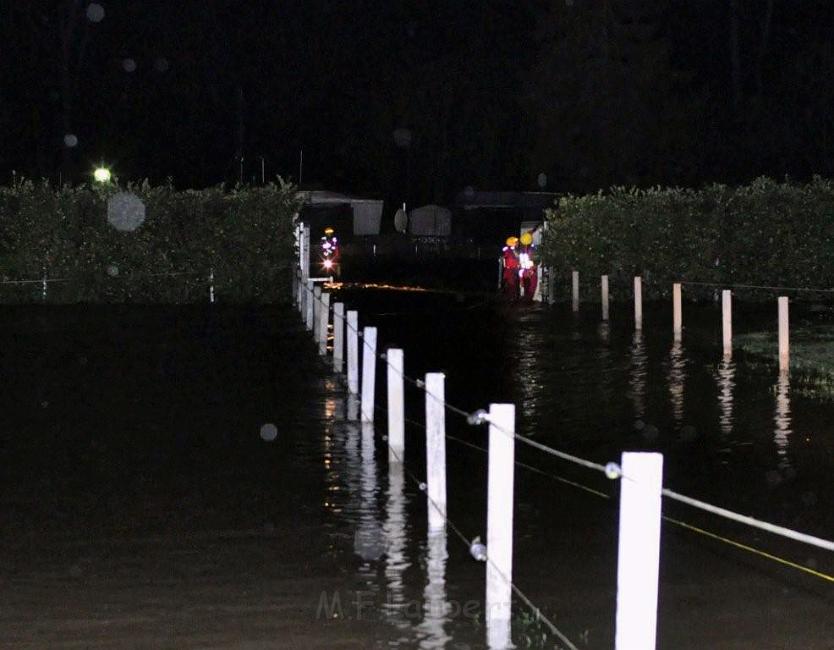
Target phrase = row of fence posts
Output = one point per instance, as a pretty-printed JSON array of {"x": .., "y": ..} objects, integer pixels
[
  {"x": 640, "y": 496},
  {"x": 677, "y": 314}
]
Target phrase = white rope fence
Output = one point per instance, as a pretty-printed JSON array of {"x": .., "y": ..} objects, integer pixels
[
  {"x": 640, "y": 501},
  {"x": 116, "y": 277}
]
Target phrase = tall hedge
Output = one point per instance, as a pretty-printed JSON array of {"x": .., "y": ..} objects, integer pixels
[
  {"x": 244, "y": 236},
  {"x": 764, "y": 233}
]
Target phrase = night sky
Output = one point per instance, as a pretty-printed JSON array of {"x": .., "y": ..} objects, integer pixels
[{"x": 415, "y": 101}]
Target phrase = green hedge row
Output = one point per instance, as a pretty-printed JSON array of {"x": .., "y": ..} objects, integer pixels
[
  {"x": 244, "y": 236},
  {"x": 764, "y": 233}
]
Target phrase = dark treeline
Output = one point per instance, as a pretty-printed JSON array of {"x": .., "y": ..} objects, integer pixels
[{"x": 415, "y": 101}]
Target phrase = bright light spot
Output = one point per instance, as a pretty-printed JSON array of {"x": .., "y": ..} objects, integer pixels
[
  {"x": 328, "y": 264},
  {"x": 95, "y": 12},
  {"x": 102, "y": 175},
  {"x": 269, "y": 432},
  {"x": 125, "y": 211},
  {"x": 129, "y": 65},
  {"x": 70, "y": 140}
]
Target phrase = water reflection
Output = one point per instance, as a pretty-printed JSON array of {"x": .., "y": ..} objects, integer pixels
[
  {"x": 435, "y": 606},
  {"x": 334, "y": 407},
  {"x": 604, "y": 331},
  {"x": 531, "y": 379},
  {"x": 395, "y": 533},
  {"x": 352, "y": 407},
  {"x": 368, "y": 541},
  {"x": 726, "y": 384},
  {"x": 782, "y": 420},
  {"x": 637, "y": 376},
  {"x": 677, "y": 380},
  {"x": 351, "y": 471},
  {"x": 604, "y": 356}
]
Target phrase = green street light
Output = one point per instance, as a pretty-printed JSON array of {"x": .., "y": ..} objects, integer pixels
[{"x": 102, "y": 175}]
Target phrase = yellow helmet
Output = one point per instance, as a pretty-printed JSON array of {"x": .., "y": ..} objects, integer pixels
[
  {"x": 328, "y": 231},
  {"x": 512, "y": 241},
  {"x": 527, "y": 238}
]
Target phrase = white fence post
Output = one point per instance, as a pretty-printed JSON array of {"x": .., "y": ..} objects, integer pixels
[
  {"x": 638, "y": 559},
  {"x": 537, "y": 294},
  {"x": 677, "y": 311},
  {"x": 575, "y": 290},
  {"x": 436, "y": 450},
  {"x": 295, "y": 288},
  {"x": 316, "y": 312},
  {"x": 353, "y": 351},
  {"x": 638, "y": 302},
  {"x": 338, "y": 336},
  {"x": 305, "y": 253},
  {"x": 784, "y": 335},
  {"x": 324, "y": 322},
  {"x": 727, "y": 321},
  {"x": 396, "y": 405},
  {"x": 310, "y": 306},
  {"x": 368, "y": 373},
  {"x": 604, "y": 289},
  {"x": 499, "y": 570}
]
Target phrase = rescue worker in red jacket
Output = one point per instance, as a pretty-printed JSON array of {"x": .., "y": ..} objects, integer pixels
[
  {"x": 529, "y": 272},
  {"x": 511, "y": 269}
]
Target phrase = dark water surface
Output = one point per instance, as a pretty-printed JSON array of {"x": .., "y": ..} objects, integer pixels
[{"x": 140, "y": 506}]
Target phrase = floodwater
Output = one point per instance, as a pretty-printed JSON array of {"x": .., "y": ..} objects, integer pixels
[{"x": 141, "y": 506}]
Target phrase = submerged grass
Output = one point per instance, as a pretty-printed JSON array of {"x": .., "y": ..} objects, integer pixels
[{"x": 812, "y": 357}]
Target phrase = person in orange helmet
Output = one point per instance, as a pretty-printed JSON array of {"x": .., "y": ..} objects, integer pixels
[
  {"x": 511, "y": 268},
  {"x": 528, "y": 273}
]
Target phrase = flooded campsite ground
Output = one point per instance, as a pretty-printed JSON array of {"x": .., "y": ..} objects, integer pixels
[{"x": 186, "y": 477}]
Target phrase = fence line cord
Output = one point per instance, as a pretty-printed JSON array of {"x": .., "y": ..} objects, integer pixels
[
  {"x": 555, "y": 452},
  {"x": 751, "y": 549},
  {"x": 536, "y": 470},
  {"x": 41, "y": 281},
  {"x": 750, "y": 521},
  {"x": 156, "y": 275},
  {"x": 109, "y": 277},
  {"x": 677, "y": 522},
  {"x": 757, "y": 286}
]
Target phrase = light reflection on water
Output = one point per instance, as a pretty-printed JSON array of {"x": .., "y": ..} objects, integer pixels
[
  {"x": 637, "y": 375},
  {"x": 782, "y": 420},
  {"x": 677, "y": 380},
  {"x": 368, "y": 540},
  {"x": 432, "y": 630},
  {"x": 726, "y": 383},
  {"x": 395, "y": 531},
  {"x": 352, "y": 408}
]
